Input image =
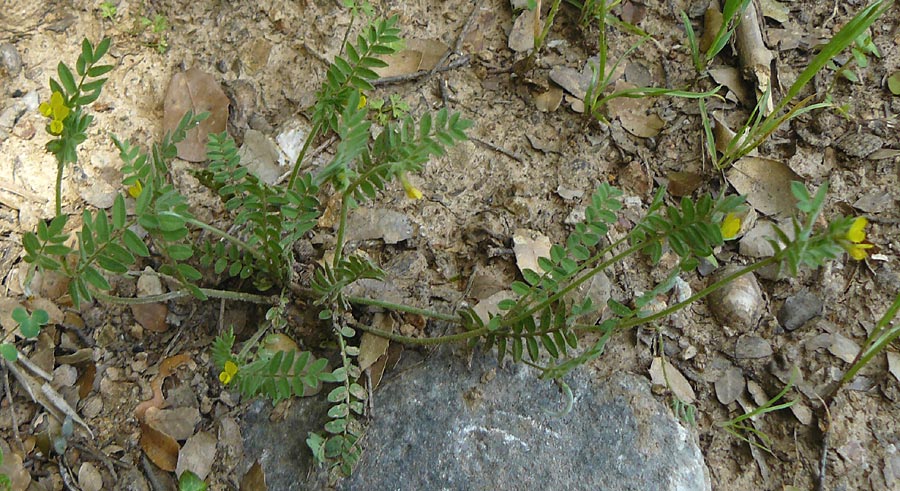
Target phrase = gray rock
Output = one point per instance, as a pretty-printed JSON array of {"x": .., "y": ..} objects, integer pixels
[
  {"x": 10, "y": 59},
  {"x": 442, "y": 425},
  {"x": 798, "y": 309},
  {"x": 750, "y": 346},
  {"x": 860, "y": 144}
]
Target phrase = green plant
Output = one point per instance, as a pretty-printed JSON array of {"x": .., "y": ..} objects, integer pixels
[
  {"x": 601, "y": 75},
  {"x": 29, "y": 327},
  {"x": 394, "y": 108},
  {"x": 538, "y": 327},
  {"x": 747, "y": 432},
  {"x": 761, "y": 124},
  {"x": 158, "y": 25},
  {"x": 108, "y": 10},
  {"x": 5, "y": 482},
  {"x": 730, "y": 16},
  {"x": 861, "y": 48},
  {"x": 188, "y": 481},
  {"x": 880, "y": 338},
  {"x": 68, "y": 122}
]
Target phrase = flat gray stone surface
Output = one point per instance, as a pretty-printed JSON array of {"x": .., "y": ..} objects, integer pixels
[{"x": 442, "y": 425}]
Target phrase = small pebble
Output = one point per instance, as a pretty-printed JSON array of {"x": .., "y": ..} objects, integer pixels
[
  {"x": 739, "y": 303},
  {"x": 10, "y": 59},
  {"x": 798, "y": 309},
  {"x": 751, "y": 346},
  {"x": 730, "y": 385},
  {"x": 860, "y": 145}
]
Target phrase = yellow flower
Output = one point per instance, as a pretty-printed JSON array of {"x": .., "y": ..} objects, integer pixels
[
  {"x": 731, "y": 225},
  {"x": 228, "y": 373},
  {"x": 56, "y": 126},
  {"x": 857, "y": 232},
  {"x": 135, "y": 189},
  {"x": 57, "y": 110},
  {"x": 412, "y": 192},
  {"x": 362, "y": 101},
  {"x": 856, "y": 235}
]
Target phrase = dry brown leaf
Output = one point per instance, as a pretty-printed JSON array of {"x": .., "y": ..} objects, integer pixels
[
  {"x": 166, "y": 368},
  {"x": 730, "y": 77},
  {"x": 402, "y": 62},
  {"x": 684, "y": 183},
  {"x": 766, "y": 183},
  {"x": 254, "y": 479},
  {"x": 712, "y": 22},
  {"x": 521, "y": 37},
  {"x": 549, "y": 100},
  {"x": 775, "y": 10},
  {"x": 664, "y": 373},
  {"x": 151, "y": 316},
  {"x": 372, "y": 347},
  {"x": 160, "y": 448},
  {"x": 197, "y": 91},
  {"x": 179, "y": 423},
  {"x": 756, "y": 58},
  {"x": 635, "y": 113},
  {"x": 89, "y": 478},
  {"x": 488, "y": 307},
  {"x": 197, "y": 455},
  {"x": 13, "y": 467},
  {"x": 528, "y": 246}
]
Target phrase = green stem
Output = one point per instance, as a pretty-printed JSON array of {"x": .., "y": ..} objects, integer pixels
[
  {"x": 421, "y": 341},
  {"x": 230, "y": 238},
  {"x": 209, "y": 292},
  {"x": 59, "y": 173},
  {"x": 342, "y": 227},
  {"x": 313, "y": 133},
  {"x": 702, "y": 293},
  {"x": 405, "y": 308}
]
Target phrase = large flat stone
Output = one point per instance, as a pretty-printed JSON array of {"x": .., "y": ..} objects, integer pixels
[{"x": 443, "y": 425}]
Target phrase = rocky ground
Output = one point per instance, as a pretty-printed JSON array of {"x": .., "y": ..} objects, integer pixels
[{"x": 531, "y": 160}]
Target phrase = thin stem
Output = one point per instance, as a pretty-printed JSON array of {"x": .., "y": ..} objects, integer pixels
[
  {"x": 702, "y": 293},
  {"x": 230, "y": 238},
  {"x": 342, "y": 228},
  {"x": 421, "y": 341},
  {"x": 313, "y": 133},
  {"x": 59, "y": 173},
  {"x": 209, "y": 292},
  {"x": 405, "y": 308}
]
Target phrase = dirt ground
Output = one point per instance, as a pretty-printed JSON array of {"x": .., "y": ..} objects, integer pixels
[{"x": 523, "y": 168}]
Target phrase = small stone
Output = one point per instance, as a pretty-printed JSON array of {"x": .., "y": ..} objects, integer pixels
[
  {"x": 860, "y": 145},
  {"x": 798, "y": 309},
  {"x": 751, "y": 346},
  {"x": 802, "y": 412},
  {"x": 739, "y": 303},
  {"x": 730, "y": 385},
  {"x": 843, "y": 348},
  {"x": 10, "y": 59},
  {"x": 197, "y": 455},
  {"x": 92, "y": 407}
]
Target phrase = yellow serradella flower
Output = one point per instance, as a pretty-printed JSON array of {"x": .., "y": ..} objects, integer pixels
[
  {"x": 731, "y": 225},
  {"x": 135, "y": 189},
  {"x": 228, "y": 372},
  {"x": 856, "y": 235},
  {"x": 412, "y": 192},
  {"x": 362, "y": 101},
  {"x": 57, "y": 110}
]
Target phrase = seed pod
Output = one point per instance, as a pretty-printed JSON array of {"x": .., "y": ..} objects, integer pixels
[{"x": 738, "y": 304}]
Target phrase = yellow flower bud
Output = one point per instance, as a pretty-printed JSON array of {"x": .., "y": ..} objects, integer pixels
[
  {"x": 731, "y": 225},
  {"x": 135, "y": 189}
]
